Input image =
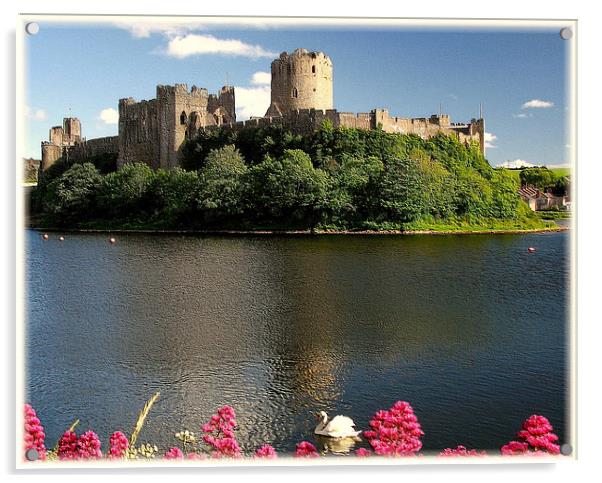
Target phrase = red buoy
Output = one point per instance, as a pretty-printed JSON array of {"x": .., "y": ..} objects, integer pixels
[
  {"x": 45, "y": 236},
  {"x": 532, "y": 249},
  {"x": 111, "y": 240}
]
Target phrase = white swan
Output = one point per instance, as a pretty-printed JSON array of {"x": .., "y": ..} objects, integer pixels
[{"x": 337, "y": 427}]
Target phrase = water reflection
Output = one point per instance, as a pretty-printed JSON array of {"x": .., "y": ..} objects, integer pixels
[{"x": 471, "y": 330}]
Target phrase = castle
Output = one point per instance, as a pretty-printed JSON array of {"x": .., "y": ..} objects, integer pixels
[{"x": 154, "y": 131}]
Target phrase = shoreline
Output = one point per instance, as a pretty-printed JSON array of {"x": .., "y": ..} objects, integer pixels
[{"x": 301, "y": 232}]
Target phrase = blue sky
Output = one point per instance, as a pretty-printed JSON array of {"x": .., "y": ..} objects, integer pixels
[{"x": 519, "y": 75}]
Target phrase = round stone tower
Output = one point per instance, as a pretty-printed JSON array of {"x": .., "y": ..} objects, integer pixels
[{"x": 301, "y": 80}]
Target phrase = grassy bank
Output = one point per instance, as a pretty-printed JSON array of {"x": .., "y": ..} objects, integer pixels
[
  {"x": 553, "y": 215},
  {"x": 420, "y": 227}
]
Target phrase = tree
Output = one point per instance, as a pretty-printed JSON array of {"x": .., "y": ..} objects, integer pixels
[
  {"x": 125, "y": 192},
  {"x": 173, "y": 195},
  {"x": 354, "y": 191},
  {"x": 73, "y": 193},
  {"x": 401, "y": 190},
  {"x": 221, "y": 184},
  {"x": 541, "y": 178},
  {"x": 287, "y": 190}
]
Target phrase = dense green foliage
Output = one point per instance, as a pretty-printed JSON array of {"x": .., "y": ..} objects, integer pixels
[
  {"x": 555, "y": 181},
  {"x": 336, "y": 178}
]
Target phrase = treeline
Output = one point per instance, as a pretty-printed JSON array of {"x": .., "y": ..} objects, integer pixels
[
  {"x": 545, "y": 179},
  {"x": 336, "y": 178}
]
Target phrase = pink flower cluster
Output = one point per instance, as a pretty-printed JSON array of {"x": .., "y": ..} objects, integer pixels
[
  {"x": 462, "y": 451},
  {"x": 363, "y": 452},
  {"x": 219, "y": 434},
  {"x": 118, "y": 445},
  {"x": 34, "y": 432},
  {"x": 306, "y": 450},
  {"x": 87, "y": 446},
  {"x": 395, "y": 432},
  {"x": 174, "y": 454},
  {"x": 536, "y": 438},
  {"x": 266, "y": 451},
  {"x": 196, "y": 456}
]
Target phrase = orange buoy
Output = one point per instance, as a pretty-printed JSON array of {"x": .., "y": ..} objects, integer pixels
[
  {"x": 45, "y": 236},
  {"x": 61, "y": 238},
  {"x": 111, "y": 240},
  {"x": 532, "y": 249}
]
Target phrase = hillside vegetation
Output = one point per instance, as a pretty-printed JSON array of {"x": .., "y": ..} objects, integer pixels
[{"x": 269, "y": 178}]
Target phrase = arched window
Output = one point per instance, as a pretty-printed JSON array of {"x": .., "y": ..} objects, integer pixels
[
  {"x": 313, "y": 69},
  {"x": 183, "y": 118},
  {"x": 295, "y": 93}
]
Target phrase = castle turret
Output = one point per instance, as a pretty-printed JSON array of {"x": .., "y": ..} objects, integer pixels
[
  {"x": 301, "y": 80},
  {"x": 60, "y": 139}
]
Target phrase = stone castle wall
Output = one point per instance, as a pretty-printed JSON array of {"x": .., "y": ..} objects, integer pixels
[
  {"x": 90, "y": 148},
  {"x": 306, "y": 121},
  {"x": 80, "y": 151},
  {"x": 138, "y": 138},
  {"x": 154, "y": 131}
]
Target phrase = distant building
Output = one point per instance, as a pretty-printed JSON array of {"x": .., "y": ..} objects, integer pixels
[{"x": 541, "y": 201}]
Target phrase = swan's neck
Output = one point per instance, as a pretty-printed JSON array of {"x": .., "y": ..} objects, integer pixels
[{"x": 322, "y": 424}]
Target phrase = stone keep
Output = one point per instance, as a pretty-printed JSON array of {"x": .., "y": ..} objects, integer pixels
[
  {"x": 301, "y": 80},
  {"x": 154, "y": 131}
]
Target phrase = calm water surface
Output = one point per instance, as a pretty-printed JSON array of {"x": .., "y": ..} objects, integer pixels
[{"x": 470, "y": 329}]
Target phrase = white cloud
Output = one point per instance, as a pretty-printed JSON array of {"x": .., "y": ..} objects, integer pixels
[
  {"x": 537, "y": 104},
  {"x": 522, "y": 115},
  {"x": 489, "y": 140},
  {"x": 261, "y": 78},
  {"x": 193, "y": 44},
  {"x": 251, "y": 102},
  {"x": 144, "y": 28},
  {"x": 35, "y": 114},
  {"x": 109, "y": 116},
  {"x": 517, "y": 163}
]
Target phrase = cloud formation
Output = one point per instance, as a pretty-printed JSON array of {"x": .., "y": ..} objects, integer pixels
[
  {"x": 35, "y": 114},
  {"x": 517, "y": 163},
  {"x": 109, "y": 116},
  {"x": 537, "y": 104},
  {"x": 182, "y": 46},
  {"x": 489, "y": 140},
  {"x": 251, "y": 102},
  {"x": 522, "y": 115},
  {"x": 261, "y": 78}
]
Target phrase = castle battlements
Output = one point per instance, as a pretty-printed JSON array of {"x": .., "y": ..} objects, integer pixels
[{"x": 154, "y": 131}]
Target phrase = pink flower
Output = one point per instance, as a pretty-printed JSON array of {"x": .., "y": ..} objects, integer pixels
[
  {"x": 87, "y": 446},
  {"x": 173, "y": 454},
  {"x": 220, "y": 434},
  {"x": 118, "y": 444},
  {"x": 514, "y": 448},
  {"x": 395, "y": 432},
  {"x": 266, "y": 451},
  {"x": 363, "y": 452},
  {"x": 461, "y": 451},
  {"x": 196, "y": 456},
  {"x": 34, "y": 432},
  {"x": 536, "y": 437},
  {"x": 67, "y": 446},
  {"x": 306, "y": 450}
]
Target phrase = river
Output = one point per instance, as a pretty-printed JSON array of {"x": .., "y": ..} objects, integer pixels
[{"x": 471, "y": 330}]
